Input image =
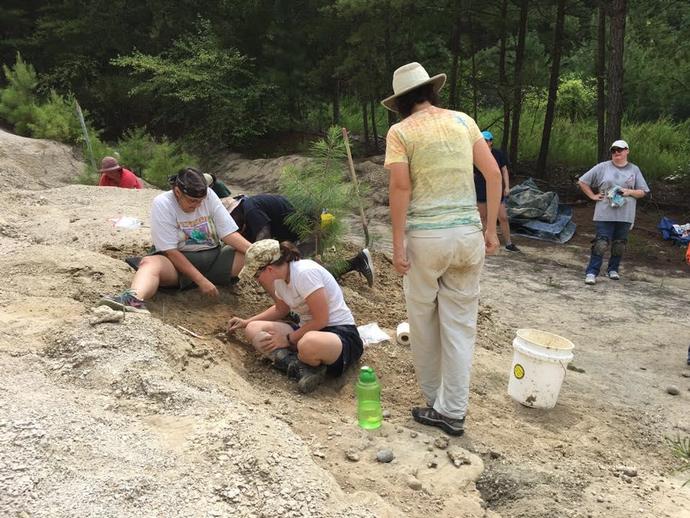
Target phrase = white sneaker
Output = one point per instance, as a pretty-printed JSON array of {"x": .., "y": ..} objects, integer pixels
[
  {"x": 613, "y": 275},
  {"x": 590, "y": 279}
]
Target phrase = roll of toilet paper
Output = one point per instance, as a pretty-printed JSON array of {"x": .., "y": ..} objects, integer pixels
[{"x": 402, "y": 333}]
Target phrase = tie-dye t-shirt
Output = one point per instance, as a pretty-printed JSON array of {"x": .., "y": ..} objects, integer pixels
[{"x": 437, "y": 145}]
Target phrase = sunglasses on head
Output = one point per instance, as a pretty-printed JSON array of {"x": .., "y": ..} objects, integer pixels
[{"x": 617, "y": 150}]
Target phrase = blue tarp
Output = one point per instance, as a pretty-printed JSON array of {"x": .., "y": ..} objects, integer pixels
[
  {"x": 560, "y": 231},
  {"x": 537, "y": 214},
  {"x": 668, "y": 232}
]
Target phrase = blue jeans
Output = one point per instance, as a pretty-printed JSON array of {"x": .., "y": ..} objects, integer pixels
[{"x": 609, "y": 231}]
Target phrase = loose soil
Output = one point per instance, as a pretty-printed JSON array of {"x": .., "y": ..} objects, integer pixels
[{"x": 141, "y": 417}]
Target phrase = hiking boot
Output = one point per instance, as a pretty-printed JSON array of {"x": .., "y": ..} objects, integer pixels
[
  {"x": 512, "y": 247},
  {"x": 430, "y": 417},
  {"x": 613, "y": 275},
  {"x": 590, "y": 279},
  {"x": 309, "y": 377},
  {"x": 126, "y": 301},
  {"x": 364, "y": 264},
  {"x": 284, "y": 360}
]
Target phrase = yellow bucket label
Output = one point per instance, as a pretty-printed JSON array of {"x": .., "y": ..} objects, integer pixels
[{"x": 519, "y": 371}]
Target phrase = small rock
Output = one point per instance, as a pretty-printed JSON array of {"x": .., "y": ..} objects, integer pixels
[
  {"x": 600, "y": 499},
  {"x": 458, "y": 457},
  {"x": 413, "y": 434},
  {"x": 102, "y": 314},
  {"x": 432, "y": 464},
  {"x": 441, "y": 442},
  {"x": 352, "y": 456},
  {"x": 627, "y": 471},
  {"x": 386, "y": 414},
  {"x": 685, "y": 374},
  {"x": 673, "y": 390},
  {"x": 385, "y": 455},
  {"x": 430, "y": 448},
  {"x": 414, "y": 483}
]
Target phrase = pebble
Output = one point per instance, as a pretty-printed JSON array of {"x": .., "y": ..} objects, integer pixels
[
  {"x": 441, "y": 442},
  {"x": 413, "y": 434},
  {"x": 414, "y": 483},
  {"x": 352, "y": 455},
  {"x": 385, "y": 455},
  {"x": 685, "y": 374},
  {"x": 386, "y": 414},
  {"x": 673, "y": 390},
  {"x": 432, "y": 464}
]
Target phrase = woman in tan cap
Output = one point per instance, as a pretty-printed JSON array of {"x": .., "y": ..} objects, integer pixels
[
  {"x": 114, "y": 175},
  {"x": 326, "y": 342},
  {"x": 438, "y": 243}
]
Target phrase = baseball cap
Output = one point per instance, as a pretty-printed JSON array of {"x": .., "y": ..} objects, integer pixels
[
  {"x": 487, "y": 135},
  {"x": 620, "y": 144},
  {"x": 258, "y": 256}
]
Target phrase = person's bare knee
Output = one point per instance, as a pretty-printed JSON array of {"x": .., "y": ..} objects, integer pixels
[{"x": 308, "y": 351}]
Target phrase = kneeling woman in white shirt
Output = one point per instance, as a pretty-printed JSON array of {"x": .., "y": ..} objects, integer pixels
[{"x": 326, "y": 341}]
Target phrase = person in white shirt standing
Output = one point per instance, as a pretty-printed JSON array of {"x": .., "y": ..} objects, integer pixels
[
  {"x": 196, "y": 243},
  {"x": 326, "y": 341},
  {"x": 619, "y": 184}
]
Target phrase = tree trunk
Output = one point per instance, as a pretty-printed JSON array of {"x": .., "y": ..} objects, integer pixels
[
  {"x": 502, "y": 78},
  {"x": 388, "y": 56},
  {"x": 455, "y": 64},
  {"x": 473, "y": 50},
  {"x": 336, "y": 102},
  {"x": 553, "y": 88},
  {"x": 601, "y": 84},
  {"x": 374, "y": 132},
  {"x": 615, "y": 82},
  {"x": 517, "y": 87},
  {"x": 365, "y": 125}
]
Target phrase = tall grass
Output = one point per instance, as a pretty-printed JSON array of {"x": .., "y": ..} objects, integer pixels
[{"x": 660, "y": 148}]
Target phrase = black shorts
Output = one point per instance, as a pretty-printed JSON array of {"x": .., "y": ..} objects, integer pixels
[{"x": 352, "y": 348}]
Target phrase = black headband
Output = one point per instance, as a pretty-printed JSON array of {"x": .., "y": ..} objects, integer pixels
[{"x": 191, "y": 183}]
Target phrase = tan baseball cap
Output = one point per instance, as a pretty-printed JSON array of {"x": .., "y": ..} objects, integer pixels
[{"x": 258, "y": 256}]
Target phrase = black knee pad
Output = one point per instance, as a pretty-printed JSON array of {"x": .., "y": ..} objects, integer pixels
[
  {"x": 618, "y": 247},
  {"x": 600, "y": 245}
]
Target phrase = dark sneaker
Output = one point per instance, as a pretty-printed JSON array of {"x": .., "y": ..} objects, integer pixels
[
  {"x": 512, "y": 247},
  {"x": 284, "y": 360},
  {"x": 364, "y": 264},
  {"x": 126, "y": 301},
  {"x": 309, "y": 377},
  {"x": 428, "y": 416}
]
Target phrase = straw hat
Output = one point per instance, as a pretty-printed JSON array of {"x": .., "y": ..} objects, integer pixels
[{"x": 408, "y": 77}]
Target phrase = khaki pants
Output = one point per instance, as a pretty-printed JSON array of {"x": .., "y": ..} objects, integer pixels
[{"x": 442, "y": 296}]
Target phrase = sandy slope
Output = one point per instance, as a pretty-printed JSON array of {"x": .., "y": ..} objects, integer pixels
[{"x": 139, "y": 418}]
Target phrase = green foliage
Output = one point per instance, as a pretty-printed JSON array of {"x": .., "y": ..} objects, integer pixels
[
  {"x": 89, "y": 175},
  {"x": 136, "y": 149},
  {"x": 207, "y": 89},
  {"x": 56, "y": 119},
  {"x": 18, "y": 98},
  {"x": 166, "y": 159},
  {"x": 320, "y": 185},
  {"x": 576, "y": 98},
  {"x": 680, "y": 447}
]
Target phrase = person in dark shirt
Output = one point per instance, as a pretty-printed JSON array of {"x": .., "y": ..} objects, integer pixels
[
  {"x": 217, "y": 186},
  {"x": 263, "y": 217},
  {"x": 480, "y": 188}
]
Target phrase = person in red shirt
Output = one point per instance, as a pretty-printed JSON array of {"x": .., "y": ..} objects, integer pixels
[{"x": 114, "y": 175}]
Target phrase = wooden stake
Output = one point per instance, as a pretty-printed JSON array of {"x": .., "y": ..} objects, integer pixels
[{"x": 365, "y": 226}]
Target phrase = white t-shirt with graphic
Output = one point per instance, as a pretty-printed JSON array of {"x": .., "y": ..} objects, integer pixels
[
  {"x": 307, "y": 276},
  {"x": 172, "y": 228}
]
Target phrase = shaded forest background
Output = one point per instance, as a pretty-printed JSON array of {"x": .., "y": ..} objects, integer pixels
[{"x": 555, "y": 81}]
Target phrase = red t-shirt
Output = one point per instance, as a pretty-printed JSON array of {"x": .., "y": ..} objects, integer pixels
[{"x": 128, "y": 180}]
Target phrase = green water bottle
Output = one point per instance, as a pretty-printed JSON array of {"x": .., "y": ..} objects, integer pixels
[{"x": 368, "y": 390}]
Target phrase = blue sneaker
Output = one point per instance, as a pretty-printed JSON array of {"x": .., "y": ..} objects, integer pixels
[{"x": 126, "y": 301}]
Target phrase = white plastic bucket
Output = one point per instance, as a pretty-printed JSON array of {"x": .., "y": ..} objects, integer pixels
[{"x": 540, "y": 360}]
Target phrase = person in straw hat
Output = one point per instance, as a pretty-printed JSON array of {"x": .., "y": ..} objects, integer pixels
[
  {"x": 438, "y": 243},
  {"x": 326, "y": 342},
  {"x": 114, "y": 175}
]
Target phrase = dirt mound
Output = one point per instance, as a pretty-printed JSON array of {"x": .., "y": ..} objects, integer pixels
[{"x": 35, "y": 164}]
